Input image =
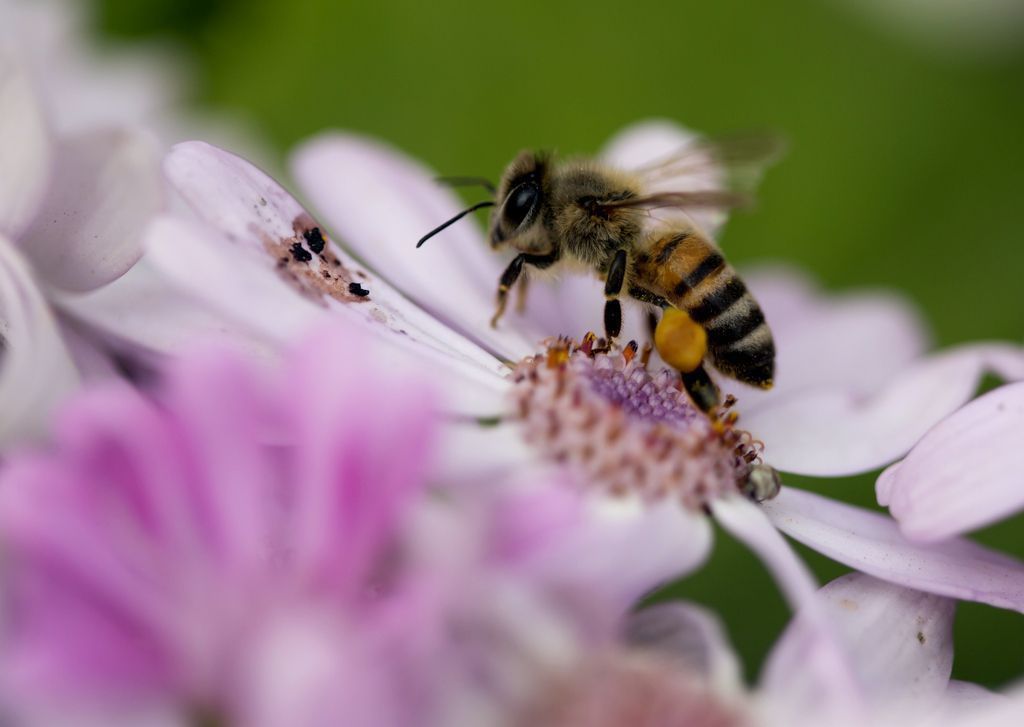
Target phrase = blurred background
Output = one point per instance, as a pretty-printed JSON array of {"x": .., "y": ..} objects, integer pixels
[{"x": 905, "y": 121}]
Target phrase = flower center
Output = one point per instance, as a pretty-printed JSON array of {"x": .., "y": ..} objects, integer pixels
[{"x": 631, "y": 430}]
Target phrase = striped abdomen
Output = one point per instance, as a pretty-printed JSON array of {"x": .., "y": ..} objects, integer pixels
[{"x": 691, "y": 273}]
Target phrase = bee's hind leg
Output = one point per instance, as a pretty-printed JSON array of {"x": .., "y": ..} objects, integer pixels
[{"x": 702, "y": 390}]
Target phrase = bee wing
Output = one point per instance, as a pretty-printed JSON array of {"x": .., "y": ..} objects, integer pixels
[{"x": 698, "y": 178}]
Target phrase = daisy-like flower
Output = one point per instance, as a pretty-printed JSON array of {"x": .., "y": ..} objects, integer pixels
[{"x": 257, "y": 257}]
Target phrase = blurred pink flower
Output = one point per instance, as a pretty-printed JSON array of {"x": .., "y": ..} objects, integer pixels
[
  {"x": 855, "y": 391},
  {"x": 258, "y": 547}
]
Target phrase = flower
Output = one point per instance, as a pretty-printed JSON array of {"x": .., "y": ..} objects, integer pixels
[
  {"x": 258, "y": 258},
  {"x": 247, "y": 547}
]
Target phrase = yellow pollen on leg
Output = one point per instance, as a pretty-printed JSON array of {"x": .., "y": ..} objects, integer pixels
[{"x": 680, "y": 341}]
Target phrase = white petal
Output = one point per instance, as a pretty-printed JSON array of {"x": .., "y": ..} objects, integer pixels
[
  {"x": 106, "y": 188},
  {"x": 964, "y": 473},
  {"x": 36, "y": 371},
  {"x": 470, "y": 453},
  {"x": 691, "y": 636},
  {"x": 25, "y": 149},
  {"x": 872, "y": 543},
  {"x": 899, "y": 641},
  {"x": 837, "y": 431},
  {"x": 381, "y": 203},
  {"x": 823, "y": 656}
]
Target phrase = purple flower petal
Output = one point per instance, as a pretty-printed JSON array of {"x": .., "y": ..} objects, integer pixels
[
  {"x": 964, "y": 473},
  {"x": 106, "y": 186},
  {"x": 381, "y": 203},
  {"x": 836, "y": 431},
  {"x": 36, "y": 371},
  {"x": 25, "y": 149},
  {"x": 873, "y": 544},
  {"x": 899, "y": 641}
]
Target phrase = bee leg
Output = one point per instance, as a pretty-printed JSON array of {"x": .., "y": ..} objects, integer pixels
[
  {"x": 512, "y": 273},
  {"x": 612, "y": 287},
  {"x": 652, "y": 323},
  {"x": 508, "y": 279},
  {"x": 702, "y": 389},
  {"x": 521, "y": 290}
]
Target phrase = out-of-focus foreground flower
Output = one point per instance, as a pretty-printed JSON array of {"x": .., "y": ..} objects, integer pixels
[{"x": 258, "y": 547}]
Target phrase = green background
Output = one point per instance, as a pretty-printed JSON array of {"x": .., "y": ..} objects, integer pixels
[{"x": 905, "y": 169}]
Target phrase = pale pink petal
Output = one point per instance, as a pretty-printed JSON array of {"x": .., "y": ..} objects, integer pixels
[
  {"x": 899, "y": 641},
  {"x": 253, "y": 297},
  {"x": 964, "y": 473},
  {"x": 470, "y": 452},
  {"x": 872, "y": 543},
  {"x": 105, "y": 188},
  {"x": 380, "y": 203},
  {"x": 649, "y": 142},
  {"x": 848, "y": 341},
  {"x": 840, "y": 431},
  {"x": 260, "y": 226},
  {"x": 691, "y": 636},
  {"x": 822, "y": 652},
  {"x": 26, "y": 152},
  {"x": 36, "y": 371}
]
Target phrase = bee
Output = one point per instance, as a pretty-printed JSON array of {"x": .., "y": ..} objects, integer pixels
[{"x": 644, "y": 232}]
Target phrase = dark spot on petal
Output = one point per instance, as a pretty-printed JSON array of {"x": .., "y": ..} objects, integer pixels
[
  {"x": 357, "y": 289},
  {"x": 263, "y": 202},
  {"x": 326, "y": 274},
  {"x": 920, "y": 637},
  {"x": 300, "y": 253},
  {"x": 314, "y": 239}
]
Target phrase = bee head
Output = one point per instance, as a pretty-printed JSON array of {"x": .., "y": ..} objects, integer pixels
[{"x": 520, "y": 201}]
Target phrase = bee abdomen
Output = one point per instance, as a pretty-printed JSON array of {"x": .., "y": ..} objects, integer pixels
[{"x": 739, "y": 341}]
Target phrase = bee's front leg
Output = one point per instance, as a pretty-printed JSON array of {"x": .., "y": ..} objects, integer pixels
[{"x": 511, "y": 275}]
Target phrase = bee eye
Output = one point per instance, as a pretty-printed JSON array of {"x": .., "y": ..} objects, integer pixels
[{"x": 520, "y": 203}]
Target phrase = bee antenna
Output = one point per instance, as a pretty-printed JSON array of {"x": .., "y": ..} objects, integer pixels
[
  {"x": 467, "y": 182},
  {"x": 456, "y": 218}
]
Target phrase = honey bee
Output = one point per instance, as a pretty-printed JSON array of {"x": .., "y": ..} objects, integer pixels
[{"x": 637, "y": 230}]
